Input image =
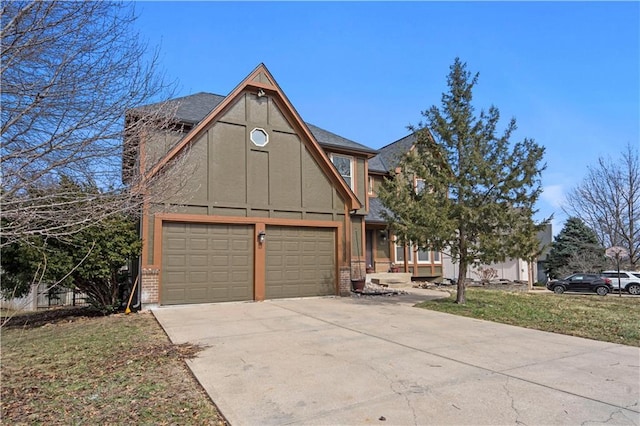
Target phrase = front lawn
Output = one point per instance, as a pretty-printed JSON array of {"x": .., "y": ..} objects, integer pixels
[
  {"x": 120, "y": 369},
  {"x": 610, "y": 318}
]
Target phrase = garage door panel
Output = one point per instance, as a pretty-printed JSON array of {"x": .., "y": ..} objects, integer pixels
[
  {"x": 198, "y": 277},
  {"x": 198, "y": 260},
  {"x": 273, "y": 276},
  {"x": 203, "y": 263},
  {"x": 292, "y": 246},
  {"x": 176, "y": 260},
  {"x": 198, "y": 244},
  {"x": 219, "y": 260},
  {"x": 176, "y": 243},
  {"x": 220, "y": 244},
  {"x": 309, "y": 260},
  {"x": 240, "y": 260},
  {"x": 219, "y": 277},
  {"x": 176, "y": 294},
  {"x": 300, "y": 262}
]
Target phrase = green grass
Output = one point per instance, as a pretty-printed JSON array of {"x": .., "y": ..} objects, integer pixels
[
  {"x": 120, "y": 369},
  {"x": 609, "y": 318}
]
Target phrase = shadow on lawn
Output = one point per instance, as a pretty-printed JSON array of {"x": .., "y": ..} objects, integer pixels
[{"x": 49, "y": 316}]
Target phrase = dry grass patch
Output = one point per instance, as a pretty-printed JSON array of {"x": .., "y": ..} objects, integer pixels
[
  {"x": 120, "y": 369},
  {"x": 609, "y": 319}
]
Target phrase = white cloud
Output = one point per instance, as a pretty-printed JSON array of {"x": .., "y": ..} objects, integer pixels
[{"x": 554, "y": 195}]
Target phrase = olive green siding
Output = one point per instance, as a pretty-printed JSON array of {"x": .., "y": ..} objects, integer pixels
[
  {"x": 224, "y": 173},
  {"x": 162, "y": 142},
  {"x": 425, "y": 271},
  {"x": 377, "y": 181},
  {"x": 361, "y": 180},
  {"x": 356, "y": 237}
]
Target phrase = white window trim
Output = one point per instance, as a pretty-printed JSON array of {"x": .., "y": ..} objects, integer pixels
[
  {"x": 370, "y": 185},
  {"x": 413, "y": 253},
  {"x": 396, "y": 247},
  {"x": 415, "y": 249},
  {"x": 351, "y": 167},
  {"x": 264, "y": 132}
]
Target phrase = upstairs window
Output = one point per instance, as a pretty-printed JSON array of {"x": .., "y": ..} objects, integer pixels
[
  {"x": 344, "y": 164},
  {"x": 419, "y": 185}
]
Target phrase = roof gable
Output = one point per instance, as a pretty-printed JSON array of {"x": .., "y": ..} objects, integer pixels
[
  {"x": 194, "y": 108},
  {"x": 389, "y": 156},
  {"x": 260, "y": 81}
]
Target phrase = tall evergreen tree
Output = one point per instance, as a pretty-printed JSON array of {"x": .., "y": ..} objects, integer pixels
[
  {"x": 479, "y": 190},
  {"x": 575, "y": 249}
]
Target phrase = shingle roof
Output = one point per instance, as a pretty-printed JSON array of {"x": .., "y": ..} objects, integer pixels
[
  {"x": 327, "y": 138},
  {"x": 389, "y": 156},
  {"x": 194, "y": 108},
  {"x": 189, "y": 109},
  {"x": 375, "y": 211}
]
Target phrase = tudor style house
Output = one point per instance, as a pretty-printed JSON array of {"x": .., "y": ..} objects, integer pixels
[
  {"x": 270, "y": 207},
  {"x": 265, "y": 206}
]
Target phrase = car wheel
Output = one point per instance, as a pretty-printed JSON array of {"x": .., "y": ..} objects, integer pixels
[
  {"x": 558, "y": 289},
  {"x": 602, "y": 291},
  {"x": 633, "y": 289}
]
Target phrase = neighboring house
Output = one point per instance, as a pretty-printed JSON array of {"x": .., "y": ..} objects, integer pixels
[
  {"x": 510, "y": 269},
  {"x": 266, "y": 206}
]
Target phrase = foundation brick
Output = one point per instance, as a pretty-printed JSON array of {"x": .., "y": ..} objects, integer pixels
[{"x": 150, "y": 285}]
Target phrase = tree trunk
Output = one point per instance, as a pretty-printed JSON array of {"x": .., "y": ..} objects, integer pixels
[{"x": 461, "y": 297}]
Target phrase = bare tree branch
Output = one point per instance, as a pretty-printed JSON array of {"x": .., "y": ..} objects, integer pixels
[
  {"x": 608, "y": 201},
  {"x": 71, "y": 72}
]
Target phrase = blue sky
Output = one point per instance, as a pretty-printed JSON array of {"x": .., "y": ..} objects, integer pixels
[{"x": 568, "y": 72}]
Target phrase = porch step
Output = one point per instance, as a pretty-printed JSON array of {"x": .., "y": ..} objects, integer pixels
[{"x": 390, "y": 279}]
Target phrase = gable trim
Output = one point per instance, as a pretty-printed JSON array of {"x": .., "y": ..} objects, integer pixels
[{"x": 279, "y": 97}]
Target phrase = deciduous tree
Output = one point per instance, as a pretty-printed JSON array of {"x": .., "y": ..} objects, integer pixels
[
  {"x": 70, "y": 70},
  {"x": 608, "y": 201},
  {"x": 479, "y": 189}
]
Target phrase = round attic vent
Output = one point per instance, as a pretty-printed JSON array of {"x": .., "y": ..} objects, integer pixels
[{"x": 259, "y": 137}]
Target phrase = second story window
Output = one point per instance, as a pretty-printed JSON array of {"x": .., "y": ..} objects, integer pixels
[
  {"x": 344, "y": 164},
  {"x": 370, "y": 188}
]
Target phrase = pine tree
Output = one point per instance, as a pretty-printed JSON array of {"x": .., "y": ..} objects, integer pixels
[
  {"x": 575, "y": 249},
  {"x": 479, "y": 190}
]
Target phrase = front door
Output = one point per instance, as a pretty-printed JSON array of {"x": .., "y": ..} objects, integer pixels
[{"x": 369, "y": 247}]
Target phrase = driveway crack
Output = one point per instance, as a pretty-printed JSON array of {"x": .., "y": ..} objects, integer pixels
[{"x": 513, "y": 402}]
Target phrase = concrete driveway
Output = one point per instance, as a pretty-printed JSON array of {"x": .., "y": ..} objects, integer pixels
[{"x": 357, "y": 361}]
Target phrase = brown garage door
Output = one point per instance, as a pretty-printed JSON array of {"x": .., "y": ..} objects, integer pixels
[
  {"x": 203, "y": 263},
  {"x": 300, "y": 262}
]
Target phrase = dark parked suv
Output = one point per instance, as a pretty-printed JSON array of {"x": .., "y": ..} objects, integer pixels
[{"x": 592, "y": 283}]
